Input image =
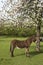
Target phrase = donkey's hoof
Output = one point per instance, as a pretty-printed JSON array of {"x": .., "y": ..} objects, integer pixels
[{"x": 12, "y": 55}]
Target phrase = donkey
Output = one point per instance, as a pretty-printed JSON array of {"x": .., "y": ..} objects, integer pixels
[{"x": 22, "y": 44}]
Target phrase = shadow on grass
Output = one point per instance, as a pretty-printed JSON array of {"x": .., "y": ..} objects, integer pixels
[{"x": 34, "y": 53}]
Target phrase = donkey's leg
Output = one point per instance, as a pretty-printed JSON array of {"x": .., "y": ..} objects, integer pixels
[
  {"x": 27, "y": 52},
  {"x": 12, "y": 50}
]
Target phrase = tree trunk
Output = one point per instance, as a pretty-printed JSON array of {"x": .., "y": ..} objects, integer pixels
[{"x": 38, "y": 39}]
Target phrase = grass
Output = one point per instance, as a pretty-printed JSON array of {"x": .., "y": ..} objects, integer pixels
[{"x": 20, "y": 58}]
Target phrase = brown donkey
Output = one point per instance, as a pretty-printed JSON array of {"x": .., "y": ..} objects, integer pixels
[{"x": 22, "y": 44}]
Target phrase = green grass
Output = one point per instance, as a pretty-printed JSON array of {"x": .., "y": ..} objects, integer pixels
[{"x": 20, "y": 58}]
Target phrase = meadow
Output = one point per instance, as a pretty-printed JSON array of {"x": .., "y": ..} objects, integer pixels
[{"x": 20, "y": 58}]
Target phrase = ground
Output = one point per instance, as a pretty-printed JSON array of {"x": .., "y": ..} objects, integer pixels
[{"x": 20, "y": 58}]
